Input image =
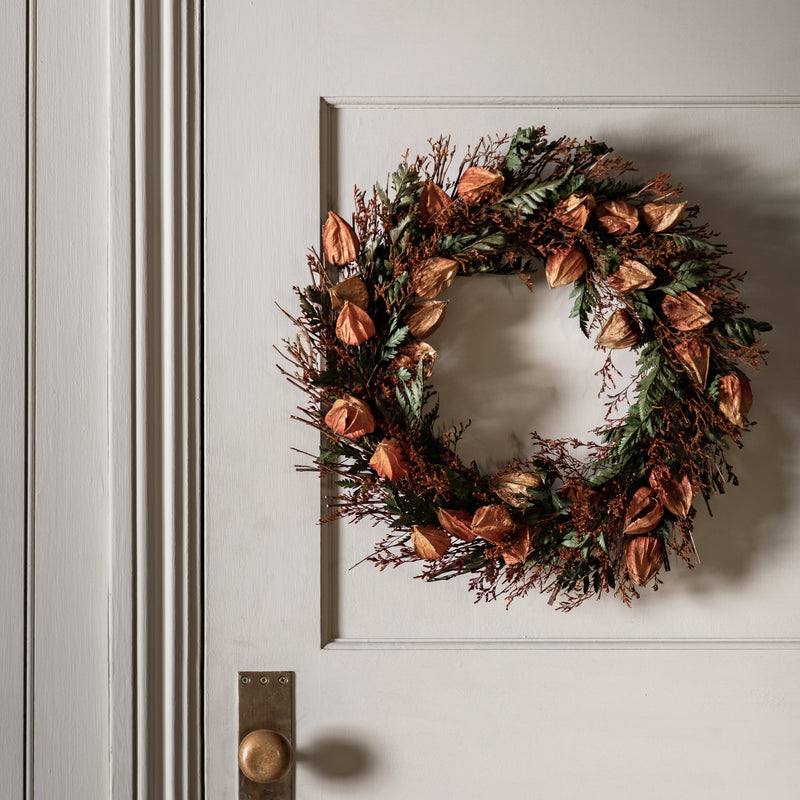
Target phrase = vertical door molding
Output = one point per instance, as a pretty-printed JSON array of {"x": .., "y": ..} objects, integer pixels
[
  {"x": 155, "y": 306},
  {"x": 167, "y": 269}
]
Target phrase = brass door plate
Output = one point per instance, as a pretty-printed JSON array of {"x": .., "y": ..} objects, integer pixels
[{"x": 266, "y": 700}]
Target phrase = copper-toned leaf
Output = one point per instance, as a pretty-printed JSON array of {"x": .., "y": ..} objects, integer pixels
[
  {"x": 644, "y": 556},
  {"x": 564, "y": 266},
  {"x": 492, "y": 523},
  {"x": 350, "y": 417},
  {"x": 339, "y": 240},
  {"x": 644, "y": 512},
  {"x": 631, "y": 276},
  {"x": 516, "y": 551},
  {"x": 619, "y": 331},
  {"x": 661, "y": 217},
  {"x": 429, "y": 542},
  {"x": 433, "y": 202},
  {"x": 512, "y": 486},
  {"x": 388, "y": 460},
  {"x": 478, "y": 184},
  {"x": 456, "y": 522},
  {"x": 425, "y": 316},
  {"x": 735, "y": 397},
  {"x": 573, "y": 211},
  {"x": 433, "y": 276},
  {"x": 687, "y": 312},
  {"x": 695, "y": 355},
  {"x": 354, "y": 325},
  {"x": 353, "y": 289},
  {"x": 409, "y": 356},
  {"x": 617, "y": 217},
  {"x": 675, "y": 494}
]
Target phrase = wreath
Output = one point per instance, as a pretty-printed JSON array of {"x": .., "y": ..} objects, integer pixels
[{"x": 644, "y": 274}]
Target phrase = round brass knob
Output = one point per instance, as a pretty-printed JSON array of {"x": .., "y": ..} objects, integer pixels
[{"x": 265, "y": 756}]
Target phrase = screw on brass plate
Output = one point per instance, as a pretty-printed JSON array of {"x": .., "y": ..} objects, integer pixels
[
  {"x": 283, "y": 679},
  {"x": 245, "y": 680},
  {"x": 263, "y": 680}
]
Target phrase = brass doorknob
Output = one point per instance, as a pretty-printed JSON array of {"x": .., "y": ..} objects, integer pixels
[{"x": 265, "y": 756}]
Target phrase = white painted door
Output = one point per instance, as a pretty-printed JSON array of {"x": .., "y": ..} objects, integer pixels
[{"x": 410, "y": 690}]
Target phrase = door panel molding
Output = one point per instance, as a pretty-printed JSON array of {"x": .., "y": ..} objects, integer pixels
[
  {"x": 330, "y": 148},
  {"x": 563, "y": 644},
  {"x": 571, "y": 101}
]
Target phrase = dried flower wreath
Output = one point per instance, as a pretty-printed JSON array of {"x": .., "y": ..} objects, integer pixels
[{"x": 644, "y": 275}]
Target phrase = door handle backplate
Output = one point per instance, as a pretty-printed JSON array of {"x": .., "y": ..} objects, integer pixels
[{"x": 266, "y": 703}]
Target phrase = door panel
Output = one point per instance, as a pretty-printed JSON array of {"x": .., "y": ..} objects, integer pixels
[
  {"x": 69, "y": 537},
  {"x": 406, "y": 689},
  {"x": 696, "y": 142}
]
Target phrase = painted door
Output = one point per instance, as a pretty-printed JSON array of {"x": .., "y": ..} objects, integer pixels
[
  {"x": 411, "y": 690},
  {"x": 56, "y": 436}
]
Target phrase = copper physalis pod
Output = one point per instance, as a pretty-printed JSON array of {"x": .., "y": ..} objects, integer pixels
[
  {"x": 429, "y": 542},
  {"x": 339, "y": 241}
]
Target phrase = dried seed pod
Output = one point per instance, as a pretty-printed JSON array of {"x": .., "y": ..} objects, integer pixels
[
  {"x": 631, "y": 276},
  {"x": 388, "y": 460},
  {"x": 512, "y": 486},
  {"x": 695, "y": 355},
  {"x": 409, "y": 356},
  {"x": 425, "y": 316},
  {"x": 564, "y": 266},
  {"x": 644, "y": 512},
  {"x": 661, "y": 217},
  {"x": 644, "y": 556},
  {"x": 492, "y": 523},
  {"x": 433, "y": 276},
  {"x": 617, "y": 217},
  {"x": 429, "y": 542},
  {"x": 573, "y": 211},
  {"x": 339, "y": 241},
  {"x": 457, "y": 523},
  {"x": 354, "y": 325},
  {"x": 353, "y": 289},
  {"x": 619, "y": 331},
  {"x": 478, "y": 184},
  {"x": 350, "y": 417},
  {"x": 433, "y": 202},
  {"x": 687, "y": 312},
  {"x": 516, "y": 551},
  {"x": 675, "y": 494},
  {"x": 735, "y": 397}
]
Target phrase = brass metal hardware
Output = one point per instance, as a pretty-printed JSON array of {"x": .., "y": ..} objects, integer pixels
[
  {"x": 265, "y": 756},
  {"x": 266, "y": 735}
]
